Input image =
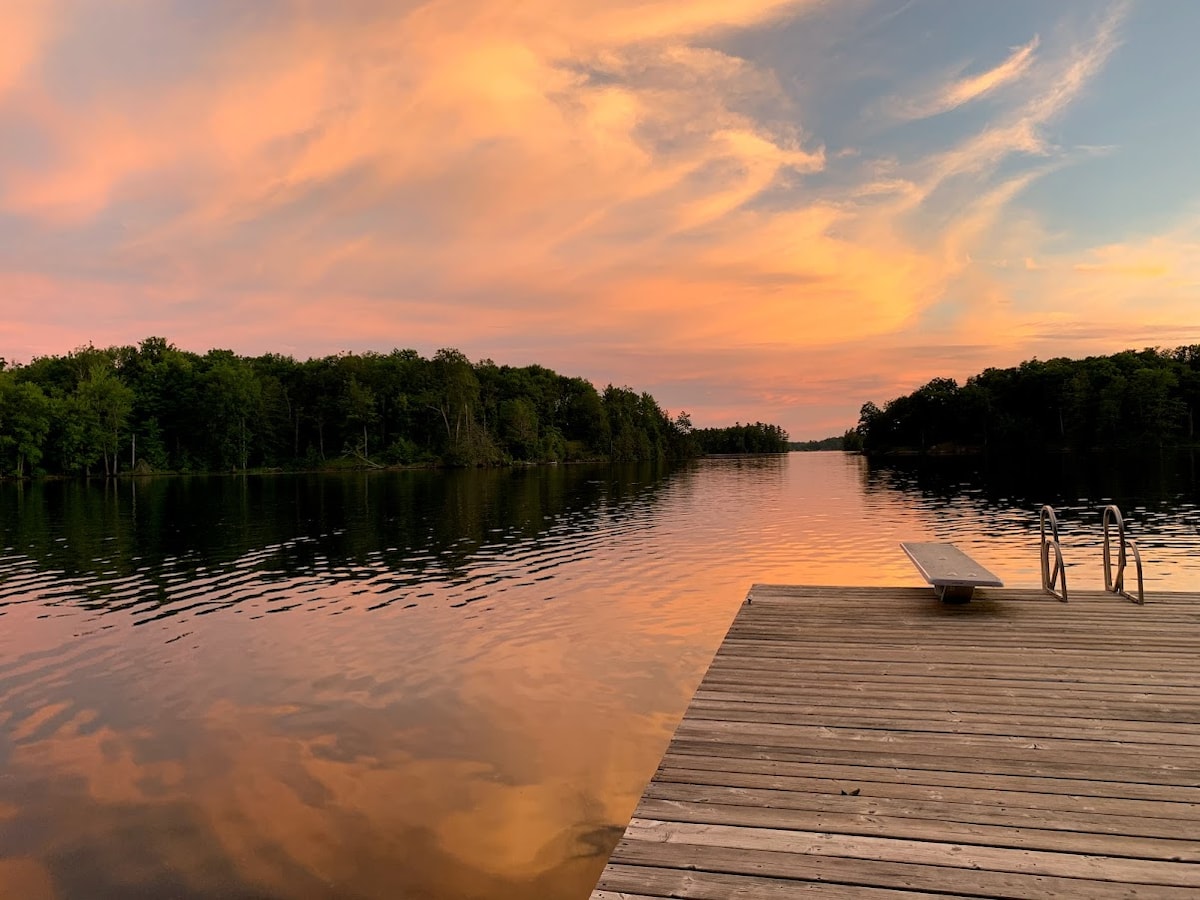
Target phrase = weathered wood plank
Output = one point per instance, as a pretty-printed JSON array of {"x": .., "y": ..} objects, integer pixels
[
  {"x": 729, "y": 737},
  {"x": 925, "y": 852},
  {"x": 957, "y": 651},
  {"x": 780, "y": 732},
  {"x": 976, "y": 808},
  {"x": 727, "y": 746},
  {"x": 874, "y": 823},
  {"x": 1137, "y": 710},
  {"x": 699, "y": 885},
  {"x": 1015, "y": 719},
  {"x": 1137, "y": 713},
  {"x": 1068, "y": 639},
  {"x": 857, "y": 773},
  {"x": 748, "y": 708},
  {"x": 955, "y": 881},
  {"x": 1173, "y": 668},
  {"x": 943, "y": 685},
  {"x": 1009, "y": 793}
]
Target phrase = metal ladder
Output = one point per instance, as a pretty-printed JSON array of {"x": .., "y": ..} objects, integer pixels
[
  {"x": 1116, "y": 583},
  {"x": 1054, "y": 581},
  {"x": 1054, "y": 573}
]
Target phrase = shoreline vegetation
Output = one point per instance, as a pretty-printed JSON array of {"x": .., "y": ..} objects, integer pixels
[
  {"x": 155, "y": 409},
  {"x": 1131, "y": 400}
]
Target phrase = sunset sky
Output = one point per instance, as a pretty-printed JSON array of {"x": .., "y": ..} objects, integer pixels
[{"x": 755, "y": 210}]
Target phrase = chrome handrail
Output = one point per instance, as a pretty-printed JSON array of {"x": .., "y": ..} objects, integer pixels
[
  {"x": 1058, "y": 575},
  {"x": 1115, "y": 584}
]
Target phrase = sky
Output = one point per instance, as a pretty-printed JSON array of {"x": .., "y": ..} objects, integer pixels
[{"x": 762, "y": 210}]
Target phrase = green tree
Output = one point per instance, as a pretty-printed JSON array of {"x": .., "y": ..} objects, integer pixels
[
  {"x": 454, "y": 394},
  {"x": 1160, "y": 413},
  {"x": 25, "y": 419},
  {"x": 105, "y": 403},
  {"x": 232, "y": 402},
  {"x": 519, "y": 428},
  {"x": 361, "y": 412},
  {"x": 585, "y": 421},
  {"x": 167, "y": 387}
]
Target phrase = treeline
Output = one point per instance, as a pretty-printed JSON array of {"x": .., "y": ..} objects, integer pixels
[
  {"x": 829, "y": 443},
  {"x": 1130, "y": 399},
  {"x": 158, "y": 408},
  {"x": 756, "y": 438}
]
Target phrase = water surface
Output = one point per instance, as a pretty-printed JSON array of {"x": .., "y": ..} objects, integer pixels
[{"x": 434, "y": 685}]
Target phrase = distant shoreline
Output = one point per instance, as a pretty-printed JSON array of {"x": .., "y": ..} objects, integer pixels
[{"x": 143, "y": 473}]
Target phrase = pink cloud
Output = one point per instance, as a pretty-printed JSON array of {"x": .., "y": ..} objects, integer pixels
[{"x": 28, "y": 27}]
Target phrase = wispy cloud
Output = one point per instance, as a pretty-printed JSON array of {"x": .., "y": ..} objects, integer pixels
[
  {"x": 964, "y": 89},
  {"x": 967, "y": 89}
]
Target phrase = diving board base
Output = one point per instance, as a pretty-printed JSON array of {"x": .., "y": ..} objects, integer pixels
[{"x": 953, "y": 574}]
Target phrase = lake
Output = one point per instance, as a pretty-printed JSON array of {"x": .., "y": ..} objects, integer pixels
[{"x": 437, "y": 684}]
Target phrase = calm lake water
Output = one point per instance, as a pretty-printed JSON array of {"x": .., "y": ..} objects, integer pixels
[{"x": 436, "y": 685}]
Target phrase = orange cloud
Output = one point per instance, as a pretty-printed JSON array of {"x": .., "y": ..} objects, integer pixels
[
  {"x": 98, "y": 153},
  {"x": 28, "y": 27}
]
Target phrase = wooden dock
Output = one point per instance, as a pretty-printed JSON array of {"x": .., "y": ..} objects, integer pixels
[{"x": 875, "y": 743}]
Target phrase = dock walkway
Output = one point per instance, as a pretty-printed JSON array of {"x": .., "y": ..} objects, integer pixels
[{"x": 875, "y": 743}]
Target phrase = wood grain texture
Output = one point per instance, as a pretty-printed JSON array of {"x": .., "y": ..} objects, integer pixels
[{"x": 877, "y": 743}]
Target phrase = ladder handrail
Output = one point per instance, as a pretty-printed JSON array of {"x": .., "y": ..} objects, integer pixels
[
  {"x": 1115, "y": 584},
  {"x": 1057, "y": 575}
]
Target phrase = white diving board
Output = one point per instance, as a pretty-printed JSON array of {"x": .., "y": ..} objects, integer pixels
[{"x": 953, "y": 574}]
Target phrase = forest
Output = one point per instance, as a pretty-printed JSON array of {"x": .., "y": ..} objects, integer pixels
[
  {"x": 830, "y": 443},
  {"x": 156, "y": 408},
  {"x": 1133, "y": 399},
  {"x": 739, "y": 438}
]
